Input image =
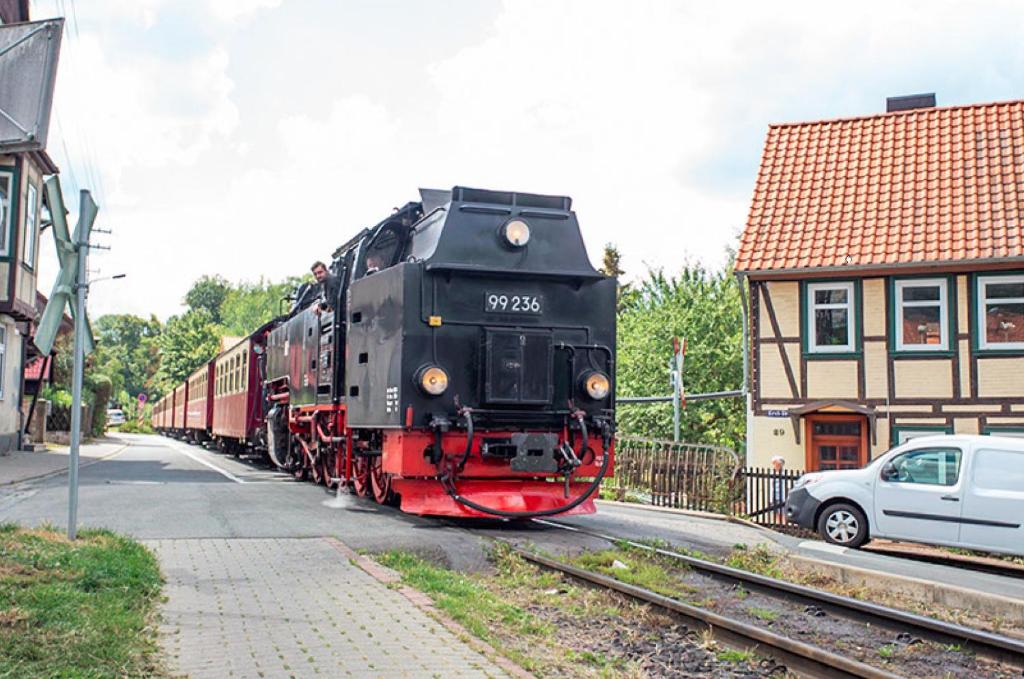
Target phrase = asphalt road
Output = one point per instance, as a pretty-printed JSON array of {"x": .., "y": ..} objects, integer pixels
[{"x": 159, "y": 488}]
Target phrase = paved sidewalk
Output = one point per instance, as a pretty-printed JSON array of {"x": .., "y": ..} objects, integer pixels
[
  {"x": 296, "y": 607},
  {"x": 18, "y": 466}
]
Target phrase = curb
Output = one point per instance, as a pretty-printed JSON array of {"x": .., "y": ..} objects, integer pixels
[
  {"x": 57, "y": 472},
  {"x": 393, "y": 580},
  {"x": 689, "y": 512},
  {"x": 950, "y": 596}
]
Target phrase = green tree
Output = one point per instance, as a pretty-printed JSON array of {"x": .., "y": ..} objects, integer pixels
[
  {"x": 208, "y": 293},
  {"x": 705, "y": 308},
  {"x": 127, "y": 351},
  {"x": 250, "y": 305},
  {"x": 187, "y": 342},
  {"x": 611, "y": 265}
]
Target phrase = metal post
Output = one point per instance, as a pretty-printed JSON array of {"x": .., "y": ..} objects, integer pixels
[
  {"x": 81, "y": 287},
  {"x": 677, "y": 374}
]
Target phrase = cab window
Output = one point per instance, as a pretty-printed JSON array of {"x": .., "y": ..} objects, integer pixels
[{"x": 928, "y": 466}]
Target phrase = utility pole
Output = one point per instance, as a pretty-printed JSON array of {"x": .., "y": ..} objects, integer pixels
[{"x": 81, "y": 289}]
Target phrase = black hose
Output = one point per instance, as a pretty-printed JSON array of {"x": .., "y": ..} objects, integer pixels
[
  {"x": 595, "y": 484},
  {"x": 449, "y": 486},
  {"x": 468, "y": 414}
]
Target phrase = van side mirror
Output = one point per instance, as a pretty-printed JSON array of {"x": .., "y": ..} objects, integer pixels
[{"x": 889, "y": 472}]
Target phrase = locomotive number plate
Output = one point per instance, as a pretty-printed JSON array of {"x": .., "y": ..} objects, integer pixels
[{"x": 505, "y": 303}]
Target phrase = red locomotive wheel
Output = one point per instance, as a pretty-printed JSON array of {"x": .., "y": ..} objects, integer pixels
[
  {"x": 381, "y": 482},
  {"x": 361, "y": 476}
]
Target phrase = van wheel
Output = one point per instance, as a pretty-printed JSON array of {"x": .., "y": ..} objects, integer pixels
[{"x": 843, "y": 524}]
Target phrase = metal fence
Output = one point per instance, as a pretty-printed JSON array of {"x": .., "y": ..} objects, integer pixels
[
  {"x": 764, "y": 495},
  {"x": 680, "y": 475}
]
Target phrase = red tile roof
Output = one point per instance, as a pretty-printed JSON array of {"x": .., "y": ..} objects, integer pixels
[{"x": 926, "y": 186}]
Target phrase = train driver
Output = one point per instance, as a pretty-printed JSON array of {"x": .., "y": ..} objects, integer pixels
[{"x": 328, "y": 284}]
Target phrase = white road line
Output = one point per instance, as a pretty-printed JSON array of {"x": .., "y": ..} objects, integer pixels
[{"x": 185, "y": 451}]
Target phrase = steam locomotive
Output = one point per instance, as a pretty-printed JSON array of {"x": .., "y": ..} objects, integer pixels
[{"x": 460, "y": 363}]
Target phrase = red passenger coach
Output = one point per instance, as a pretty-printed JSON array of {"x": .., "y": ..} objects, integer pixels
[
  {"x": 199, "y": 407},
  {"x": 236, "y": 395},
  {"x": 180, "y": 398}
]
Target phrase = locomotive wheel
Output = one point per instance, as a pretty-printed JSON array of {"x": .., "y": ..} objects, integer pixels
[
  {"x": 381, "y": 482},
  {"x": 361, "y": 476},
  {"x": 327, "y": 469}
]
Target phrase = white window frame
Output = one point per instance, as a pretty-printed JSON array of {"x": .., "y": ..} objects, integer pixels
[
  {"x": 28, "y": 250},
  {"x": 851, "y": 328},
  {"x": 982, "y": 306},
  {"x": 7, "y": 213},
  {"x": 943, "y": 303}
]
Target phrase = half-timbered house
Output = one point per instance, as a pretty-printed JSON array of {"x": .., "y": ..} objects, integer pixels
[{"x": 885, "y": 262}]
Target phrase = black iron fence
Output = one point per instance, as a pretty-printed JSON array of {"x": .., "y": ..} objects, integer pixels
[{"x": 764, "y": 495}]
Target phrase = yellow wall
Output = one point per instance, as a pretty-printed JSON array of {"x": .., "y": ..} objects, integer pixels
[
  {"x": 771, "y": 436},
  {"x": 832, "y": 379},
  {"x": 874, "y": 306},
  {"x": 786, "y": 302},
  {"x": 925, "y": 379},
  {"x": 1000, "y": 377},
  {"x": 774, "y": 383}
]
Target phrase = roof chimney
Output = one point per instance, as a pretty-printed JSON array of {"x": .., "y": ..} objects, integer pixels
[{"x": 909, "y": 102}]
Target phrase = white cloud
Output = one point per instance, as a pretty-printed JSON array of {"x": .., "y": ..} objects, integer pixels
[{"x": 649, "y": 114}]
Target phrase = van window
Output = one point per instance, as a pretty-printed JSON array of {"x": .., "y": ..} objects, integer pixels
[
  {"x": 999, "y": 470},
  {"x": 931, "y": 466}
]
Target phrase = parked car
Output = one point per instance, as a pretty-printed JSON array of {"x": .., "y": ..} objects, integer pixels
[
  {"x": 957, "y": 491},
  {"x": 115, "y": 417}
]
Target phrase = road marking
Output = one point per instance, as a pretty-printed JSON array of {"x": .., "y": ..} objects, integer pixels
[
  {"x": 822, "y": 547},
  {"x": 174, "y": 445}
]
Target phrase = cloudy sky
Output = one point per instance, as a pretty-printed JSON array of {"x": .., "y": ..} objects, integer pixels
[{"x": 247, "y": 138}]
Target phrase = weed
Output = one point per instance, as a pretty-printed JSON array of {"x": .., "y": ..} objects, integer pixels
[
  {"x": 763, "y": 613},
  {"x": 757, "y": 560},
  {"x": 888, "y": 652},
  {"x": 734, "y": 656}
]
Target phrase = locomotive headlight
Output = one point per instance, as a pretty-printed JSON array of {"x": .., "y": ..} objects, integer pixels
[
  {"x": 516, "y": 232},
  {"x": 433, "y": 380},
  {"x": 596, "y": 384}
]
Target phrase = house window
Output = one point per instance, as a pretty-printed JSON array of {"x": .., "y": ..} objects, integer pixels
[
  {"x": 922, "y": 314},
  {"x": 28, "y": 252},
  {"x": 830, "y": 317},
  {"x": 903, "y": 434},
  {"x": 1003, "y": 430},
  {"x": 1001, "y": 312},
  {"x": 7, "y": 189}
]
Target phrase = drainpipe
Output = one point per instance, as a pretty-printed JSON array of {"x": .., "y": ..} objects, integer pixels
[{"x": 741, "y": 280}]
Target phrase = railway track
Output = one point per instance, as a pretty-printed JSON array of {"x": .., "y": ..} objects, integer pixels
[
  {"x": 798, "y": 655},
  {"x": 979, "y": 564}
]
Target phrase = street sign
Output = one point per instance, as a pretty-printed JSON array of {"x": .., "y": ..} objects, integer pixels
[
  {"x": 68, "y": 253},
  {"x": 142, "y": 398},
  {"x": 28, "y": 69}
]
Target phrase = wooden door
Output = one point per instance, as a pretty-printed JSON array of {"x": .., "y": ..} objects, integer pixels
[{"x": 836, "y": 442}]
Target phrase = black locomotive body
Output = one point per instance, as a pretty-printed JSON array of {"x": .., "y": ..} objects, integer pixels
[{"x": 462, "y": 361}]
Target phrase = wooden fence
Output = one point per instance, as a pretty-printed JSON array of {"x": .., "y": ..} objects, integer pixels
[{"x": 680, "y": 475}]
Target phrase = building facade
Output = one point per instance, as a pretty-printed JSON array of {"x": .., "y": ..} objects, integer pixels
[
  {"x": 21, "y": 208},
  {"x": 885, "y": 263}
]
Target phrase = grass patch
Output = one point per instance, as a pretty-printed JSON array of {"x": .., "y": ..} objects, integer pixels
[
  {"x": 757, "y": 560},
  {"x": 635, "y": 567},
  {"x": 78, "y": 609},
  {"x": 734, "y": 656},
  {"x": 763, "y": 613}
]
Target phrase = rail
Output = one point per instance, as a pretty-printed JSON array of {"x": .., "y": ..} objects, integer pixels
[{"x": 987, "y": 644}]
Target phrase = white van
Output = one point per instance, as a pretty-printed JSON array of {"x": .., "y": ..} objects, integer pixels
[{"x": 957, "y": 491}]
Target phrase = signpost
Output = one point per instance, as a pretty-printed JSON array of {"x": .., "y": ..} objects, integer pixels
[{"x": 70, "y": 290}]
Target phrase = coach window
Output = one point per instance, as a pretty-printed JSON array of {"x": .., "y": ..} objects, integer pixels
[{"x": 31, "y": 220}]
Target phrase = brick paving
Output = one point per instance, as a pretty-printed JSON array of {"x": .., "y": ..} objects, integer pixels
[{"x": 295, "y": 607}]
